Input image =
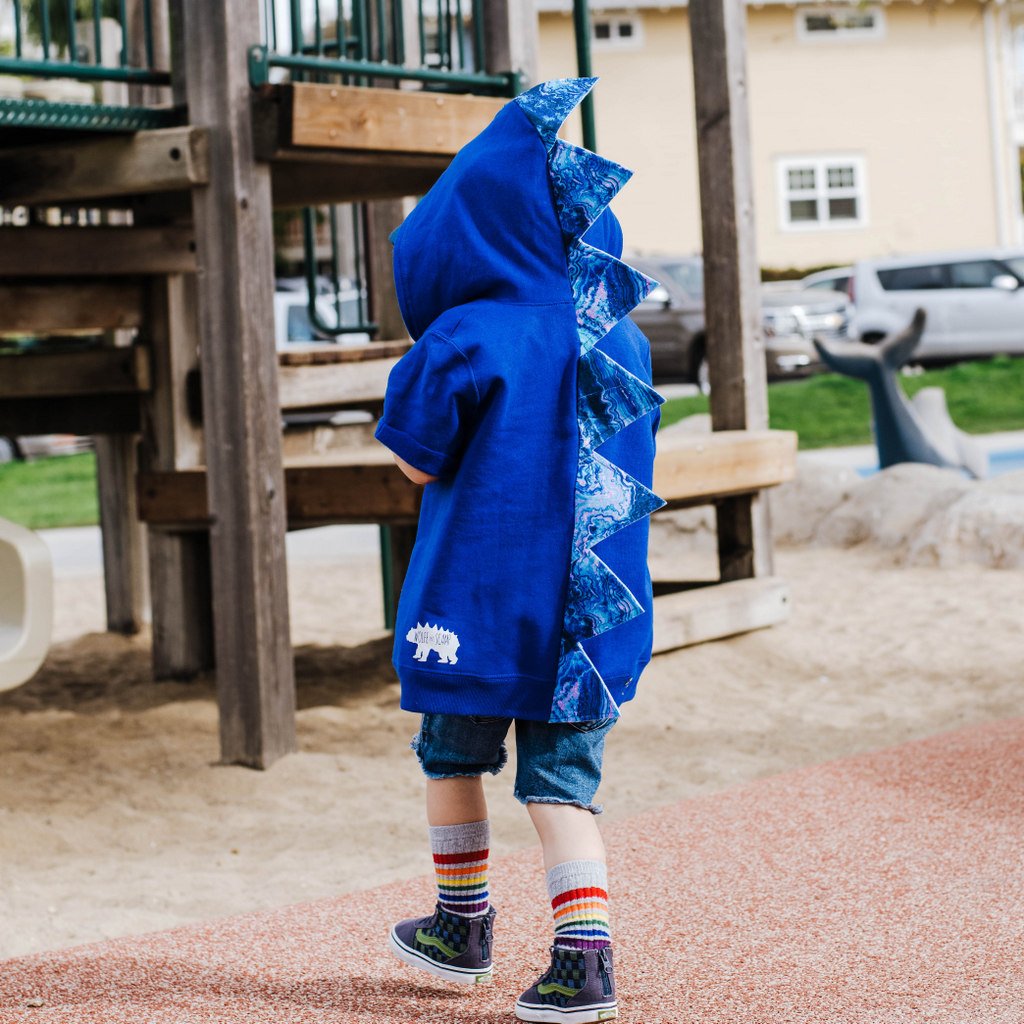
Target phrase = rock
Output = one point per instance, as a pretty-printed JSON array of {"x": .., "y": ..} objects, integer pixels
[
  {"x": 890, "y": 507},
  {"x": 799, "y": 506},
  {"x": 984, "y": 526}
]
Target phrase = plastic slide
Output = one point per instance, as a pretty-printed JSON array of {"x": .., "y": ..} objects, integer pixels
[{"x": 26, "y": 604}]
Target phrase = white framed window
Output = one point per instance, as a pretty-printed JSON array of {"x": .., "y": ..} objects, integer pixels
[
  {"x": 616, "y": 32},
  {"x": 822, "y": 192},
  {"x": 844, "y": 23}
]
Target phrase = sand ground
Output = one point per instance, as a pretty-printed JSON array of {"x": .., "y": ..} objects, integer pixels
[{"x": 115, "y": 817}]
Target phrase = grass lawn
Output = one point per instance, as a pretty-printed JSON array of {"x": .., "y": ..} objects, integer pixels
[
  {"x": 59, "y": 491},
  {"x": 829, "y": 410}
]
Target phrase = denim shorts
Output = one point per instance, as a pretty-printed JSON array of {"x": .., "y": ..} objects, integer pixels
[{"x": 556, "y": 762}]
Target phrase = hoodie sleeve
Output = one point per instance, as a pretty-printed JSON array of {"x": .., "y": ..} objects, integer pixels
[{"x": 429, "y": 406}]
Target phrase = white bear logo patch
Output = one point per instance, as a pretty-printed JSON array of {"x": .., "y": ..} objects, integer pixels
[{"x": 429, "y": 638}]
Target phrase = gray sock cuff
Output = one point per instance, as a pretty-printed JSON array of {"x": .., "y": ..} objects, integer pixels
[
  {"x": 467, "y": 838},
  {"x": 577, "y": 874}
]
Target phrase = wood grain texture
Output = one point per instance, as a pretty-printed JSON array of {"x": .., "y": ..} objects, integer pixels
[
  {"x": 336, "y": 490},
  {"x": 34, "y": 306},
  {"x": 725, "y": 609},
  {"x": 96, "y": 252},
  {"x": 695, "y": 468},
  {"x": 101, "y": 371},
  {"x": 736, "y": 364},
  {"x": 165, "y": 160},
  {"x": 232, "y": 218},
  {"x": 327, "y": 353},
  {"x": 327, "y": 385},
  {"x": 385, "y": 120}
]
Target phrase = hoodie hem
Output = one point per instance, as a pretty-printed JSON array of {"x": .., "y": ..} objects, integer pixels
[{"x": 515, "y": 696}]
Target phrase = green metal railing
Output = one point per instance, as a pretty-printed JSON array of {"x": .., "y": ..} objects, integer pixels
[
  {"x": 363, "y": 40},
  {"x": 65, "y": 39}
]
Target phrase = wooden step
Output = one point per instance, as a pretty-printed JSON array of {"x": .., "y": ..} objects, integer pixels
[
  {"x": 693, "y": 469},
  {"x": 718, "y": 610},
  {"x": 334, "y": 143}
]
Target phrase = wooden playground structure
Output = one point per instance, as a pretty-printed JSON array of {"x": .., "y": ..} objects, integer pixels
[{"x": 223, "y": 124}]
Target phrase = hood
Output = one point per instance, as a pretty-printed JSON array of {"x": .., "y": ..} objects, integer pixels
[{"x": 496, "y": 225}]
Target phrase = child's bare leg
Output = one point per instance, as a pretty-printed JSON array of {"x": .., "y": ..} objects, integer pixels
[
  {"x": 566, "y": 833},
  {"x": 455, "y": 801}
]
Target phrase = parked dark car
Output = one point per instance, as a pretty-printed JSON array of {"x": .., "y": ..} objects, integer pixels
[{"x": 672, "y": 317}]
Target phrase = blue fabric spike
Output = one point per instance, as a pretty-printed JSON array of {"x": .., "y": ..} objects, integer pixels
[
  {"x": 604, "y": 290},
  {"x": 597, "y": 600},
  {"x": 584, "y": 184},
  {"x": 608, "y": 499},
  {"x": 548, "y": 105},
  {"x": 580, "y": 692},
  {"x": 609, "y": 398}
]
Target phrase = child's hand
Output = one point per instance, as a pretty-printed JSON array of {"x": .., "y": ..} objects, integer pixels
[{"x": 417, "y": 476}]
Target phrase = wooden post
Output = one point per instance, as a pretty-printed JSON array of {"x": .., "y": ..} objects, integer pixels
[
  {"x": 735, "y": 353},
  {"x": 241, "y": 416},
  {"x": 124, "y": 537},
  {"x": 510, "y": 38},
  {"x": 179, "y": 561}
]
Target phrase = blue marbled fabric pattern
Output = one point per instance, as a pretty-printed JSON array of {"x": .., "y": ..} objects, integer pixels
[
  {"x": 547, "y": 105},
  {"x": 584, "y": 184},
  {"x": 597, "y": 600},
  {"x": 581, "y": 694},
  {"x": 604, "y": 290},
  {"x": 608, "y": 499},
  {"x": 609, "y": 398}
]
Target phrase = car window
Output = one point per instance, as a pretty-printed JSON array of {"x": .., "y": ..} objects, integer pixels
[
  {"x": 689, "y": 276},
  {"x": 830, "y": 284},
  {"x": 912, "y": 279},
  {"x": 299, "y": 326},
  {"x": 975, "y": 273},
  {"x": 1016, "y": 264}
]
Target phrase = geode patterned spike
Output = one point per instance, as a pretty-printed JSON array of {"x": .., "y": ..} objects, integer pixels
[
  {"x": 548, "y": 105},
  {"x": 584, "y": 184},
  {"x": 597, "y": 600},
  {"x": 608, "y": 499},
  {"x": 604, "y": 290},
  {"x": 580, "y": 693},
  {"x": 609, "y": 398}
]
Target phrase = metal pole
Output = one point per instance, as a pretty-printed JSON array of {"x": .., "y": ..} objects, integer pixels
[{"x": 581, "y": 25}]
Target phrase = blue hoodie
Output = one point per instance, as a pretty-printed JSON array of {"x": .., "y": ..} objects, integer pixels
[{"x": 522, "y": 368}]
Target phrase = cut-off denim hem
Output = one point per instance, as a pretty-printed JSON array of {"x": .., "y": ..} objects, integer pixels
[
  {"x": 527, "y": 800},
  {"x": 472, "y": 773},
  {"x": 557, "y": 763}
]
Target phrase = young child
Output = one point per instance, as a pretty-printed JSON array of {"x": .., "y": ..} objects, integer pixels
[{"x": 525, "y": 406}]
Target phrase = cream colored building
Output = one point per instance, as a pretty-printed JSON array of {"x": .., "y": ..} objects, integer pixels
[{"x": 876, "y": 128}]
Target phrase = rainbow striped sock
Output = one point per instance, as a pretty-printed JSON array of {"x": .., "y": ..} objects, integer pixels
[
  {"x": 460, "y": 863},
  {"x": 579, "y": 902}
]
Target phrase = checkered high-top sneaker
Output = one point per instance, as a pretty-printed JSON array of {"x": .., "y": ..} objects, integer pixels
[
  {"x": 447, "y": 945},
  {"x": 579, "y": 988}
]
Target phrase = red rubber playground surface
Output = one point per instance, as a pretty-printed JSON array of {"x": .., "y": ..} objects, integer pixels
[{"x": 879, "y": 889}]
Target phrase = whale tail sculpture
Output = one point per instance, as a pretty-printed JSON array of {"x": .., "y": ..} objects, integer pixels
[{"x": 918, "y": 430}]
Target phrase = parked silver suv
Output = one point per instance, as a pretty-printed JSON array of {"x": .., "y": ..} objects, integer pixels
[{"x": 974, "y": 301}]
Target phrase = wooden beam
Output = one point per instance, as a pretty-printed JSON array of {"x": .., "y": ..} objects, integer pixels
[
  {"x": 341, "y": 178},
  {"x": 95, "y": 252},
  {"x": 382, "y": 218},
  {"x": 179, "y": 562},
  {"x": 696, "y": 468},
  {"x": 125, "y": 581},
  {"x": 327, "y": 386},
  {"x": 234, "y": 239},
  {"x": 736, "y": 361},
  {"x": 99, "y": 371},
  {"x": 88, "y": 414},
  {"x": 37, "y": 307},
  {"x": 717, "y": 611},
  {"x": 165, "y": 160},
  {"x": 379, "y": 120},
  {"x": 349, "y": 488}
]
